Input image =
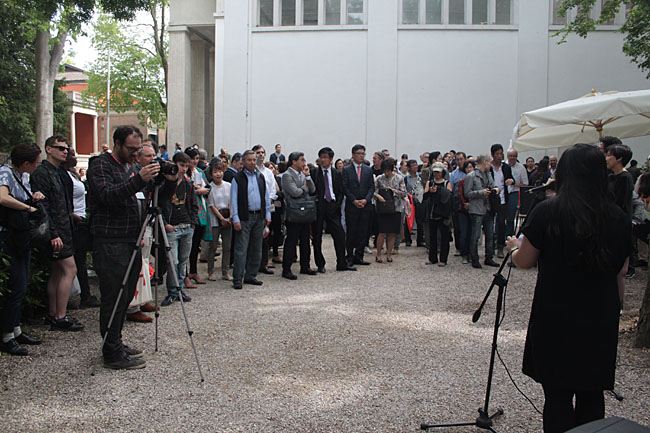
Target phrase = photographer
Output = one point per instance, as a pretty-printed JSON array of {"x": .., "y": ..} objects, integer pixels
[
  {"x": 13, "y": 195},
  {"x": 115, "y": 182},
  {"x": 580, "y": 242},
  {"x": 479, "y": 189}
]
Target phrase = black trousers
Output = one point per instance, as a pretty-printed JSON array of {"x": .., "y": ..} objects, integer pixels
[
  {"x": 357, "y": 222},
  {"x": 329, "y": 213},
  {"x": 420, "y": 220},
  {"x": 276, "y": 235},
  {"x": 82, "y": 241},
  {"x": 434, "y": 227},
  {"x": 196, "y": 244},
  {"x": 560, "y": 414},
  {"x": 264, "y": 262},
  {"x": 111, "y": 261},
  {"x": 500, "y": 225},
  {"x": 295, "y": 232}
]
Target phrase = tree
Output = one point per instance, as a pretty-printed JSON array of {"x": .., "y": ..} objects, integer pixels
[
  {"x": 637, "y": 46},
  {"x": 636, "y": 43},
  {"x": 63, "y": 18},
  {"x": 138, "y": 66}
]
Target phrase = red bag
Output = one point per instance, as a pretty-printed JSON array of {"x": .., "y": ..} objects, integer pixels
[{"x": 411, "y": 216}]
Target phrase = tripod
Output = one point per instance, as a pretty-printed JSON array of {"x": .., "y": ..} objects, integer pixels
[
  {"x": 154, "y": 217},
  {"x": 484, "y": 419}
]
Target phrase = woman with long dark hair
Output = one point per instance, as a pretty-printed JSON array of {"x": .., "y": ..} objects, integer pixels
[{"x": 580, "y": 241}]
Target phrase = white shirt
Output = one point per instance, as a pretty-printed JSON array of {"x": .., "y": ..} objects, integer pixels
[
  {"x": 329, "y": 180},
  {"x": 521, "y": 176},
  {"x": 219, "y": 197},
  {"x": 78, "y": 196},
  {"x": 499, "y": 182},
  {"x": 269, "y": 179}
]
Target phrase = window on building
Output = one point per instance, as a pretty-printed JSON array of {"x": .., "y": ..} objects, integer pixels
[
  {"x": 266, "y": 13},
  {"x": 433, "y": 12},
  {"x": 310, "y": 12},
  {"x": 355, "y": 12},
  {"x": 333, "y": 12},
  {"x": 288, "y": 13},
  {"x": 457, "y": 12},
  {"x": 595, "y": 13}
]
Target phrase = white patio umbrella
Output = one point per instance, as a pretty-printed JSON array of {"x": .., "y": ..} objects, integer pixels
[{"x": 584, "y": 120}]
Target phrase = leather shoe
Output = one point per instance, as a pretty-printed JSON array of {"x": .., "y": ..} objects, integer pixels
[
  {"x": 147, "y": 308},
  {"x": 476, "y": 265},
  {"x": 89, "y": 302},
  {"x": 188, "y": 284},
  {"x": 289, "y": 275},
  {"x": 490, "y": 262},
  {"x": 13, "y": 348},
  {"x": 236, "y": 286},
  {"x": 139, "y": 317},
  {"x": 308, "y": 271},
  {"x": 321, "y": 270},
  {"x": 266, "y": 270},
  {"x": 361, "y": 262},
  {"x": 253, "y": 281},
  {"x": 346, "y": 267},
  {"x": 26, "y": 339}
]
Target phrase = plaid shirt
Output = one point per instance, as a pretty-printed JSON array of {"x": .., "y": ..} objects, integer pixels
[{"x": 114, "y": 209}]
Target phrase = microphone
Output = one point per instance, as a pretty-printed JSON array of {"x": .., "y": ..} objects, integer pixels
[{"x": 550, "y": 184}]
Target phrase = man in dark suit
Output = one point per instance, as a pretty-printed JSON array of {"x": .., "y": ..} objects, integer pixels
[
  {"x": 329, "y": 196},
  {"x": 359, "y": 186}
]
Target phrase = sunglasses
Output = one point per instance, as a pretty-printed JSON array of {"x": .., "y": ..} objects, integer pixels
[{"x": 61, "y": 148}]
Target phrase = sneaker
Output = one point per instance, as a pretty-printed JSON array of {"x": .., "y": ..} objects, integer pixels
[
  {"x": 169, "y": 299},
  {"x": 125, "y": 363},
  {"x": 184, "y": 296},
  {"x": 89, "y": 302},
  {"x": 13, "y": 348},
  {"x": 131, "y": 352},
  {"x": 367, "y": 250},
  {"x": 466, "y": 260},
  {"x": 67, "y": 324}
]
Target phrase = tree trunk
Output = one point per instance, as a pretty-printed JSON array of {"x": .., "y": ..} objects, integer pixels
[
  {"x": 642, "y": 337},
  {"x": 47, "y": 65}
]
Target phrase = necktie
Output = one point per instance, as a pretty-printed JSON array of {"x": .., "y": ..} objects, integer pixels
[
  {"x": 328, "y": 194},
  {"x": 359, "y": 172}
]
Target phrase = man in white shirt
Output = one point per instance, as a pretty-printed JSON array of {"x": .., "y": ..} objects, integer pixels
[
  {"x": 520, "y": 175},
  {"x": 271, "y": 187}
]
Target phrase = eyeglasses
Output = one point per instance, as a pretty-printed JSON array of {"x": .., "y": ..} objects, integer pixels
[
  {"x": 359, "y": 153},
  {"x": 61, "y": 148},
  {"x": 133, "y": 149}
]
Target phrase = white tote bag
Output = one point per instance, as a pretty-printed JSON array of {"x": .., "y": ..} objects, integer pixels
[{"x": 143, "y": 289}]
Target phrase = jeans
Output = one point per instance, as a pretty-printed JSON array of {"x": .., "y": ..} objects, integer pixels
[
  {"x": 487, "y": 222},
  {"x": 464, "y": 232},
  {"x": 248, "y": 248},
  {"x": 180, "y": 242},
  {"x": 17, "y": 286},
  {"x": 226, "y": 234},
  {"x": 111, "y": 261},
  {"x": 513, "y": 202}
]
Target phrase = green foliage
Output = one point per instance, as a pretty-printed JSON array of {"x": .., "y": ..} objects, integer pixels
[
  {"x": 637, "y": 35},
  {"x": 137, "y": 73},
  {"x": 35, "y": 304}
]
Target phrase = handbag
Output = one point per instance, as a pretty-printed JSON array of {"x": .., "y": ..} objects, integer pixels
[
  {"x": 301, "y": 210},
  {"x": 388, "y": 205}
]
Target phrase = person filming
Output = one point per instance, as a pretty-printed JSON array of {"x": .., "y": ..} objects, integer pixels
[
  {"x": 580, "y": 241},
  {"x": 115, "y": 183}
]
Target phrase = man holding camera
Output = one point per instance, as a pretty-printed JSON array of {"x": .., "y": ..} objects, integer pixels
[
  {"x": 480, "y": 191},
  {"x": 115, "y": 183}
]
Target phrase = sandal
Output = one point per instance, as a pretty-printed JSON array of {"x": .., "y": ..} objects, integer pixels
[
  {"x": 389, "y": 259},
  {"x": 378, "y": 260}
]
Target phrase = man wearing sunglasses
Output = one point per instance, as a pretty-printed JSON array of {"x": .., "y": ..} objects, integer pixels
[{"x": 115, "y": 183}]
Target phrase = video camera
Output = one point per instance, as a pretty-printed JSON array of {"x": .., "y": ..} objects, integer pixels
[{"x": 166, "y": 167}]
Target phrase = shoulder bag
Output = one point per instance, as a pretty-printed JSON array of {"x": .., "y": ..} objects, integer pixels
[
  {"x": 388, "y": 205},
  {"x": 300, "y": 210}
]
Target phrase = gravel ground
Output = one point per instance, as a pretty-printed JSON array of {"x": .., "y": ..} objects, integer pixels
[{"x": 382, "y": 349}]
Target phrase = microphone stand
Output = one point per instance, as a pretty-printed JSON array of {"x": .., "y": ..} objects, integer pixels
[{"x": 485, "y": 420}]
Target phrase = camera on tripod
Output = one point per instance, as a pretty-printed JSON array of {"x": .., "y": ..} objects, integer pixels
[{"x": 166, "y": 168}]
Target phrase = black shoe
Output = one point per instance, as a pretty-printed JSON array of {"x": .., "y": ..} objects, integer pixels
[
  {"x": 184, "y": 297},
  {"x": 361, "y": 262},
  {"x": 169, "y": 299},
  {"x": 125, "y": 363},
  {"x": 308, "y": 271},
  {"x": 236, "y": 286},
  {"x": 289, "y": 275},
  {"x": 66, "y": 324},
  {"x": 26, "y": 339},
  {"x": 13, "y": 348},
  {"x": 408, "y": 244},
  {"x": 266, "y": 270},
  {"x": 422, "y": 244},
  {"x": 253, "y": 281},
  {"x": 131, "y": 352},
  {"x": 89, "y": 302},
  {"x": 321, "y": 270},
  {"x": 476, "y": 264},
  {"x": 346, "y": 267},
  {"x": 490, "y": 262}
]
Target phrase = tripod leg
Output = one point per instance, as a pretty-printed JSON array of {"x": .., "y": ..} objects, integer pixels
[{"x": 172, "y": 270}]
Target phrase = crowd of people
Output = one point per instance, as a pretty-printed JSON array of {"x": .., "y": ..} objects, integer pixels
[{"x": 245, "y": 207}]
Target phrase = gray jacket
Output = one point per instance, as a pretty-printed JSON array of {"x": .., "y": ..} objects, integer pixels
[
  {"x": 294, "y": 186},
  {"x": 475, "y": 183}
]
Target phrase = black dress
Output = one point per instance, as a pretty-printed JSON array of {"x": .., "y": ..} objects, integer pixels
[{"x": 573, "y": 330}]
